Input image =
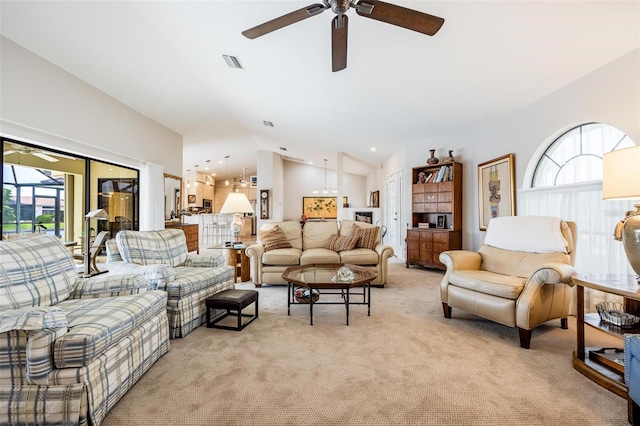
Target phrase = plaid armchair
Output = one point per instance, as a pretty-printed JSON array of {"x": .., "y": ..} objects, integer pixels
[
  {"x": 162, "y": 258},
  {"x": 71, "y": 347}
]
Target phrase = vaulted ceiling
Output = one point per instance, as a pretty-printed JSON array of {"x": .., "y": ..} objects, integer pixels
[{"x": 164, "y": 59}]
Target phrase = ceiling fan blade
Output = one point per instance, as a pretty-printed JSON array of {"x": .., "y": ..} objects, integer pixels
[
  {"x": 400, "y": 16},
  {"x": 339, "y": 29},
  {"x": 9, "y": 152},
  {"x": 45, "y": 156},
  {"x": 284, "y": 20}
]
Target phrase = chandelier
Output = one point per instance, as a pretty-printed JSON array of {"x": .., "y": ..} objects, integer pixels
[{"x": 325, "y": 190}]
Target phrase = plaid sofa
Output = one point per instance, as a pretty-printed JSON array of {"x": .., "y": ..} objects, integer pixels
[
  {"x": 188, "y": 278},
  {"x": 71, "y": 347}
]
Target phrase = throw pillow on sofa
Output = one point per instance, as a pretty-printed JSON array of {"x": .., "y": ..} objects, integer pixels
[
  {"x": 273, "y": 239},
  {"x": 367, "y": 237},
  {"x": 341, "y": 242}
]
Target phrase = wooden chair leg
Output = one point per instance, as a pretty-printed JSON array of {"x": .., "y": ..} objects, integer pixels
[
  {"x": 525, "y": 338},
  {"x": 564, "y": 323},
  {"x": 446, "y": 309}
]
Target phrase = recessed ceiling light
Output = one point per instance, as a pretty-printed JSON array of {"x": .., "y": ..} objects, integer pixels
[
  {"x": 267, "y": 123},
  {"x": 373, "y": 148},
  {"x": 232, "y": 61}
]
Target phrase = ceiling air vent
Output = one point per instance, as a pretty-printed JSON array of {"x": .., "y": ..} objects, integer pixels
[
  {"x": 232, "y": 61},
  {"x": 299, "y": 160}
]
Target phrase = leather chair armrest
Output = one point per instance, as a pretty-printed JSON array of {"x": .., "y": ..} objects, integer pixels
[
  {"x": 461, "y": 260},
  {"x": 551, "y": 273}
]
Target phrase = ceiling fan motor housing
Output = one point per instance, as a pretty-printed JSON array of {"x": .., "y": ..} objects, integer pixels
[{"x": 340, "y": 6}]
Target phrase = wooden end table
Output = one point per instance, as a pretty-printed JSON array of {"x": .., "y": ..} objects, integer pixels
[{"x": 609, "y": 375}]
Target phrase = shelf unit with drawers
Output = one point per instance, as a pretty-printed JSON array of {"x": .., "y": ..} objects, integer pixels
[{"x": 436, "y": 214}]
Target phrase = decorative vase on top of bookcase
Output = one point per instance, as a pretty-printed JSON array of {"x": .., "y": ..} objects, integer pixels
[{"x": 436, "y": 214}]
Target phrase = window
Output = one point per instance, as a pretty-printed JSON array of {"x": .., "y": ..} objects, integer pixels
[
  {"x": 576, "y": 156},
  {"x": 567, "y": 183}
]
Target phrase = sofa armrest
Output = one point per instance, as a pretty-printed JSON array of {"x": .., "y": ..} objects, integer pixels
[
  {"x": 255, "y": 252},
  {"x": 30, "y": 342},
  {"x": 461, "y": 260},
  {"x": 109, "y": 286},
  {"x": 33, "y": 318},
  {"x": 205, "y": 260},
  {"x": 157, "y": 276}
]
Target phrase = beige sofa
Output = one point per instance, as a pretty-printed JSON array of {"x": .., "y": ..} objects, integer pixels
[
  {"x": 520, "y": 276},
  {"x": 308, "y": 247}
]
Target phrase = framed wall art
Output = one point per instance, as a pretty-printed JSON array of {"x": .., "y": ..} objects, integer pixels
[
  {"x": 375, "y": 199},
  {"x": 496, "y": 189},
  {"x": 320, "y": 207},
  {"x": 191, "y": 198}
]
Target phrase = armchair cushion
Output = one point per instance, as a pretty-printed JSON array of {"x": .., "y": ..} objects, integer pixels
[
  {"x": 274, "y": 239},
  {"x": 506, "y": 286},
  {"x": 519, "y": 263},
  {"x": 167, "y": 247},
  {"x": 35, "y": 272}
]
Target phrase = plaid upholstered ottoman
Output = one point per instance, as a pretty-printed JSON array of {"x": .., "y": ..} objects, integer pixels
[{"x": 231, "y": 303}]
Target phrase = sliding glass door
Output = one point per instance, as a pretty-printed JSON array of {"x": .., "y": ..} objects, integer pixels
[{"x": 47, "y": 191}]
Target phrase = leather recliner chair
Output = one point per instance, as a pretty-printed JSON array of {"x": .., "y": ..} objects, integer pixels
[{"x": 520, "y": 276}]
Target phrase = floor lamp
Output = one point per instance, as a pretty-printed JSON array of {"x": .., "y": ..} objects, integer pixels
[
  {"x": 98, "y": 214},
  {"x": 236, "y": 203}
]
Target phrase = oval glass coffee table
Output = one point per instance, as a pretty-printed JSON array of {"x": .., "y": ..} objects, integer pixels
[{"x": 323, "y": 278}]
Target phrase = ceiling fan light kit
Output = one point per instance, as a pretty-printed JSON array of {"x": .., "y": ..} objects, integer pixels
[{"x": 373, "y": 9}]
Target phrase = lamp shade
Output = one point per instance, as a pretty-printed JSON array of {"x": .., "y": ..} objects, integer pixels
[
  {"x": 98, "y": 214},
  {"x": 236, "y": 202},
  {"x": 621, "y": 174}
]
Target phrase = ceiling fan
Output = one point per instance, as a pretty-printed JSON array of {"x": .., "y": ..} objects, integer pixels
[
  {"x": 49, "y": 156},
  {"x": 374, "y": 9}
]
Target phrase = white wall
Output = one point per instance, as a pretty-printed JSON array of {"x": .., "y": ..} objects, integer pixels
[
  {"x": 609, "y": 95},
  {"x": 44, "y": 104},
  {"x": 301, "y": 179}
]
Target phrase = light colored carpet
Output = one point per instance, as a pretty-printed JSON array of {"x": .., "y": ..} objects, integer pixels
[{"x": 404, "y": 365}]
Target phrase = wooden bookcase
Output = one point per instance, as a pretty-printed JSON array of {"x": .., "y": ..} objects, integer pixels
[{"x": 436, "y": 215}]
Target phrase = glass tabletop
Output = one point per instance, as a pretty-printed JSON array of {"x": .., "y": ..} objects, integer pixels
[{"x": 319, "y": 275}]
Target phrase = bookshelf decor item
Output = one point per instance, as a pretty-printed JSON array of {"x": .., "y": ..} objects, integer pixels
[{"x": 496, "y": 189}]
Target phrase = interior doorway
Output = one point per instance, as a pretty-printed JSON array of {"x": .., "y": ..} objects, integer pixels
[{"x": 393, "y": 213}]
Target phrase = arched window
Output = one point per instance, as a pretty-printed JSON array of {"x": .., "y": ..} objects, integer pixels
[
  {"x": 576, "y": 156},
  {"x": 567, "y": 183}
]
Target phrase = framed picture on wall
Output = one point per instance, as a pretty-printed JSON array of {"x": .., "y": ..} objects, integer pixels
[
  {"x": 375, "y": 199},
  {"x": 496, "y": 189},
  {"x": 191, "y": 198},
  {"x": 253, "y": 181},
  {"x": 320, "y": 207}
]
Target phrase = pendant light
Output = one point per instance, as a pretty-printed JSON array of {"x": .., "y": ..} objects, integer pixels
[
  {"x": 325, "y": 189},
  {"x": 226, "y": 159}
]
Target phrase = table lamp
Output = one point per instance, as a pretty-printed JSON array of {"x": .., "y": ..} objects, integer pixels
[
  {"x": 98, "y": 214},
  {"x": 236, "y": 203},
  {"x": 621, "y": 181}
]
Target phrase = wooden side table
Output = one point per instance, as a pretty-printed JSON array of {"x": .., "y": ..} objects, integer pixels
[
  {"x": 237, "y": 257},
  {"x": 607, "y": 374}
]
